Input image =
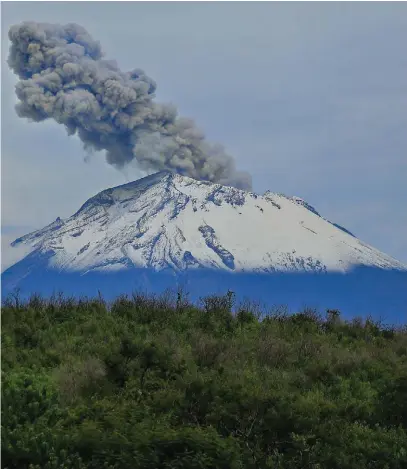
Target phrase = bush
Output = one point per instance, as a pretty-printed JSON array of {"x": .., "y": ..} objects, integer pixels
[{"x": 156, "y": 382}]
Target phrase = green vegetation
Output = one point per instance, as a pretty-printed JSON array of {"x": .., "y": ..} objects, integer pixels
[{"x": 155, "y": 382}]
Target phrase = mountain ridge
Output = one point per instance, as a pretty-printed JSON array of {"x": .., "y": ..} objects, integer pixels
[{"x": 168, "y": 221}]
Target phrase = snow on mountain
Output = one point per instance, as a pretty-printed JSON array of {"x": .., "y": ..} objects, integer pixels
[{"x": 170, "y": 221}]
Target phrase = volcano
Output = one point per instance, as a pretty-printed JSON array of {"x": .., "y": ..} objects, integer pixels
[{"x": 168, "y": 223}]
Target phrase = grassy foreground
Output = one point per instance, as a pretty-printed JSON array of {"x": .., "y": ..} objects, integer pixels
[{"x": 155, "y": 382}]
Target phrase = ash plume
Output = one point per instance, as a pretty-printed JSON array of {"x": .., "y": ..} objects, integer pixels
[{"x": 63, "y": 76}]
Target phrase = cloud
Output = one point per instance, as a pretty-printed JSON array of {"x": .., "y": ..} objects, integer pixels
[{"x": 64, "y": 77}]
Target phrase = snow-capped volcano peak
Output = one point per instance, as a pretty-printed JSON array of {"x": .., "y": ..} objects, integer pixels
[{"x": 170, "y": 221}]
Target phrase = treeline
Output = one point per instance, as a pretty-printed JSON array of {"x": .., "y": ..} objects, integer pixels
[{"x": 156, "y": 382}]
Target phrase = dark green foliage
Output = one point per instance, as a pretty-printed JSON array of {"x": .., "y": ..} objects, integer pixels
[{"x": 155, "y": 382}]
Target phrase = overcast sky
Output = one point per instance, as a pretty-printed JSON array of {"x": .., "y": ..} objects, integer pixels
[{"x": 310, "y": 98}]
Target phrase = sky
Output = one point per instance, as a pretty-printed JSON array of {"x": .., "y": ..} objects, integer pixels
[{"x": 310, "y": 98}]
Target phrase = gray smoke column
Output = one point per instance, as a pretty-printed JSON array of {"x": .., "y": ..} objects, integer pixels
[{"x": 64, "y": 77}]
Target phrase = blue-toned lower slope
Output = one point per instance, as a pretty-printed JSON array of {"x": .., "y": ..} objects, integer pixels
[{"x": 364, "y": 291}]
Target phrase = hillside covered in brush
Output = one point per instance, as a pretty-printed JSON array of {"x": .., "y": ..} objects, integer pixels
[{"x": 156, "y": 382}]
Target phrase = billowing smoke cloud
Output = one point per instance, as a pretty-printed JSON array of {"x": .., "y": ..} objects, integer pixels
[{"x": 64, "y": 77}]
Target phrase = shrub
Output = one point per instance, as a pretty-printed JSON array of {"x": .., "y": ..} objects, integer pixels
[{"x": 154, "y": 381}]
